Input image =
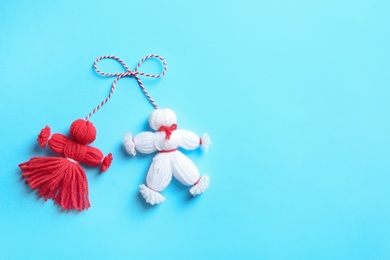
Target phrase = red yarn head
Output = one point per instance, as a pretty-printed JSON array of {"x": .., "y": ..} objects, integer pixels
[{"x": 82, "y": 131}]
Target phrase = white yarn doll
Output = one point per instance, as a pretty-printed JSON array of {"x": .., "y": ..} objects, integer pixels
[{"x": 169, "y": 160}]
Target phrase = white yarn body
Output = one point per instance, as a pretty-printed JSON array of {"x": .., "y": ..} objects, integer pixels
[{"x": 168, "y": 161}]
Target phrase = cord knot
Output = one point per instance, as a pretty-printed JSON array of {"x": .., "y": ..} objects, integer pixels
[{"x": 130, "y": 73}]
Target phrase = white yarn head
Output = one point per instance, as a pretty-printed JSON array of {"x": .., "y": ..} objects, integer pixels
[{"x": 162, "y": 117}]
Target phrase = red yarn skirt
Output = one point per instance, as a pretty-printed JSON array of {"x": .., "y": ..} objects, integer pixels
[{"x": 59, "y": 179}]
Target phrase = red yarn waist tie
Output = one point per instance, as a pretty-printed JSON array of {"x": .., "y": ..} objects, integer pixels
[
  {"x": 168, "y": 130},
  {"x": 167, "y": 151}
]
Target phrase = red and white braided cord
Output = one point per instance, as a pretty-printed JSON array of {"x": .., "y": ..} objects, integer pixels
[{"x": 129, "y": 73}]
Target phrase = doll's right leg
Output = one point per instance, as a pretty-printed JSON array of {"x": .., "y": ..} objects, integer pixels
[{"x": 157, "y": 179}]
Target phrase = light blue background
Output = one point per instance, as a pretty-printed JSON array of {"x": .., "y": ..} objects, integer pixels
[{"x": 295, "y": 95}]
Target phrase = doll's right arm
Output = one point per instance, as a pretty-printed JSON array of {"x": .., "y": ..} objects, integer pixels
[
  {"x": 143, "y": 142},
  {"x": 56, "y": 141}
]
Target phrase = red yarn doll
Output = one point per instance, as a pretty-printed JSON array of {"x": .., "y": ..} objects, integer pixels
[{"x": 62, "y": 178}]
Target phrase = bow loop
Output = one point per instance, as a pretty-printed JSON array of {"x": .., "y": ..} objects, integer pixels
[
  {"x": 128, "y": 70},
  {"x": 148, "y": 74}
]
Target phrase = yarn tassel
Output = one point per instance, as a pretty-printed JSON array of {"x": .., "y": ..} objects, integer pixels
[
  {"x": 106, "y": 162},
  {"x": 59, "y": 179},
  {"x": 43, "y": 136}
]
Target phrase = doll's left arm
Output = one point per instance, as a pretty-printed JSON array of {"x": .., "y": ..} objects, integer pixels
[
  {"x": 189, "y": 140},
  {"x": 95, "y": 157}
]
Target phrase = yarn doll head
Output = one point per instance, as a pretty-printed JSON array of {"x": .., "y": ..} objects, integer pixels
[
  {"x": 83, "y": 131},
  {"x": 162, "y": 117}
]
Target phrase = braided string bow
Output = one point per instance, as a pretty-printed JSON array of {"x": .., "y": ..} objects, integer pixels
[{"x": 128, "y": 73}]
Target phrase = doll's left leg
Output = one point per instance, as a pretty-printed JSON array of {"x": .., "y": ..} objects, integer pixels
[{"x": 185, "y": 171}]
